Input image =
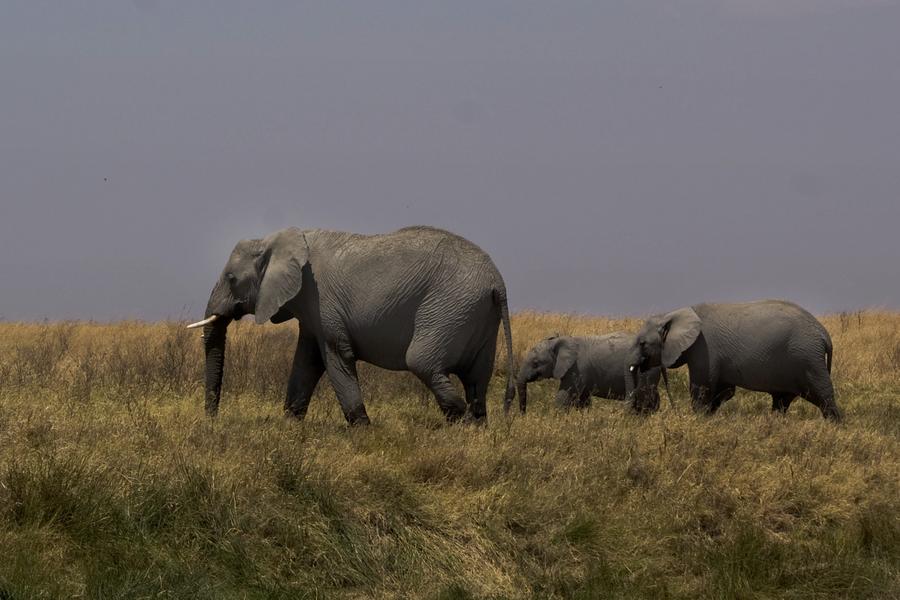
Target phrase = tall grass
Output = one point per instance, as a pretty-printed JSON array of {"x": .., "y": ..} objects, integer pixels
[{"x": 113, "y": 484}]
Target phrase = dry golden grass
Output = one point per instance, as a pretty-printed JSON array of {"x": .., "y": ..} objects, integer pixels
[{"x": 113, "y": 484}]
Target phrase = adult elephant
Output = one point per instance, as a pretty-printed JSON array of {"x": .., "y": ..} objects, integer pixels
[
  {"x": 767, "y": 346},
  {"x": 587, "y": 366},
  {"x": 418, "y": 299}
]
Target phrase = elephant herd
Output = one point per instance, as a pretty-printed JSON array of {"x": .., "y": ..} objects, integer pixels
[{"x": 430, "y": 302}]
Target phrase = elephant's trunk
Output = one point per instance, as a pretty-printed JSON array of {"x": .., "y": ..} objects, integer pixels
[
  {"x": 214, "y": 345},
  {"x": 525, "y": 375},
  {"x": 522, "y": 390}
]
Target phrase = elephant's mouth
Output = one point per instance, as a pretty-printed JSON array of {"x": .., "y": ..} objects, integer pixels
[
  {"x": 235, "y": 315},
  {"x": 638, "y": 368},
  {"x": 528, "y": 378},
  {"x": 240, "y": 309}
]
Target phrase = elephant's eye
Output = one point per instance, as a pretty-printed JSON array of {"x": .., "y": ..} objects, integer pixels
[{"x": 230, "y": 277}]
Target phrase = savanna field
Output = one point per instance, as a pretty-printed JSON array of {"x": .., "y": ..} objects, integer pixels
[{"x": 113, "y": 484}]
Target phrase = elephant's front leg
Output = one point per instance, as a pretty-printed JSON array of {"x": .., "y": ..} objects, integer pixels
[
  {"x": 781, "y": 402},
  {"x": 566, "y": 396},
  {"x": 342, "y": 373},
  {"x": 706, "y": 400},
  {"x": 305, "y": 374},
  {"x": 700, "y": 399},
  {"x": 721, "y": 396},
  {"x": 584, "y": 399}
]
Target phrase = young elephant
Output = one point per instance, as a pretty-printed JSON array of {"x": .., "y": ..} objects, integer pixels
[
  {"x": 585, "y": 367},
  {"x": 767, "y": 346}
]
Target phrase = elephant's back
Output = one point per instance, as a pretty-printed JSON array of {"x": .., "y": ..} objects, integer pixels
[
  {"x": 762, "y": 318},
  {"x": 763, "y": 344},
  {"x": 615, "y": 342},
  {"x": 413, "y": 254},
  {"x": 607, "y": 357},
  {"x": 432, "y": 240},
  {"x": 610, "y": 346},
  {"x": 459, "y": 261}
]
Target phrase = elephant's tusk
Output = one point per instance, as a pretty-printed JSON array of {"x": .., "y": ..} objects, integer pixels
[
  {"x": 203, "y": 322},
  {"x": 631, "y": 369}
]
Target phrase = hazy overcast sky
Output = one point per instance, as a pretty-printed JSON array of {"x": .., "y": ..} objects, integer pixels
[{"x": 623, "y": 156}]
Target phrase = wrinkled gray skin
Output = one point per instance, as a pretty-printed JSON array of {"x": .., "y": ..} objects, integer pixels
[
  {"x": 767, "y": 346},
  {"x": 585, "y": 367},
  {"x": 418, "y": 299}
]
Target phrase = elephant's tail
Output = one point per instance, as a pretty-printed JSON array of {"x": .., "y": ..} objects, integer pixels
[
  {"x": 500, "y": 300},
  {"x": 829, "y": 353}
]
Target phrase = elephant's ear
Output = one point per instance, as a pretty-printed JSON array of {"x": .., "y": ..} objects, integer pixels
[
  {"x": 286, "y": 253},
  {"x": 565, "y": 358},
  {"x": 678, "y": 330}
]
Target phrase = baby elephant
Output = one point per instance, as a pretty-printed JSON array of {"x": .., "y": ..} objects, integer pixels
[{"x": 588, "y": 366}]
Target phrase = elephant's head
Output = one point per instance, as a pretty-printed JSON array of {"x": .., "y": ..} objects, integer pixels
[
  {"x": 260, "y": 277},
  {"x": 659, "y": 345},
  {"x": 552, "y": 357}
]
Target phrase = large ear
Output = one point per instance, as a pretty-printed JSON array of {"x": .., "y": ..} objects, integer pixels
[
  {"x": 565, "y": 358},
  {"x": 679, "y": 330},
  {"x": 286, "y": 252}
]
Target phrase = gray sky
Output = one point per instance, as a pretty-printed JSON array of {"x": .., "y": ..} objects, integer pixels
[{"x": 613, "y": 157}]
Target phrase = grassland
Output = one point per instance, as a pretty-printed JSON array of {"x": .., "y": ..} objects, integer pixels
[{"x": 114, "y": 485}]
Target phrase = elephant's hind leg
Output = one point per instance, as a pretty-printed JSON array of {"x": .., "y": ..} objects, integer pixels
[
  {"x": 476, "y": 387},
  {"x": 821, "y": 393},
  {"x": 722, "y": 395},
  {"x": 476, "y": 401},
  {"x": 476, "y": 381},
  {"x": 447, "y": 398},
  {"x": 781, "y": 402},
  {"x": 342, "y": 373},
  {"x": 305, "y": 374},
  {"x": 425, "y": 358}
]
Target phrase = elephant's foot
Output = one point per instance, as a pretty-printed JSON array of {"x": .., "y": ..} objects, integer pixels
[
  {"x": 455, "y": 414},
  {"x": 832, "y": 413},
  {"x": 357, "y": 416},
  {"x": 781, "y": 402},
  {"x": 706, "y": 402},
  {"x": 583, "y": 403},
  {"x": 290, "y": 415},
  {"x": 453, "y": 407},
  {"x": 702, "y": 406},
  {"x": 296, "y": 411},
  {"x": 476, "y": 413},
  {"x": 643, "y": 408}
]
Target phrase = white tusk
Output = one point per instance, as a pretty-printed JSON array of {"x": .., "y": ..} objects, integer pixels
[
  {"x": 203, "y": 322},
  {"x": 631, "y": 368}
]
